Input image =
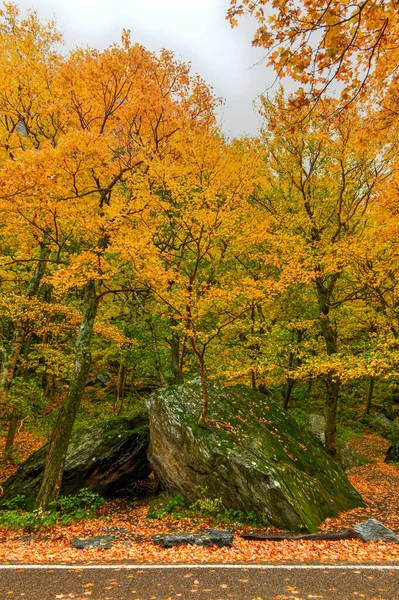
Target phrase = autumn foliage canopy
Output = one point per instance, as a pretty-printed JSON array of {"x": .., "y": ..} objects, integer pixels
[{"x": 137, "y": 239}]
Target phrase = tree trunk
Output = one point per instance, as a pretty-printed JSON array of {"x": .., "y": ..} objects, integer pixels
[
  {"x": 12, "y": 430},
  {"x": 61, "y": 433},
  {"x": 10, "y": 360},
  {"x": 175, "y": 347},
  {"x": 9, "y": 365},
  {"x": 287, "y": 393},
  {"x": 369, "y": 399},
  {"x": 253, "y": 348},
  {"x": 332, "y": 381},
  {"x": 205, "y": 395},
  {"x": 254, "y": 385},
  {"x": 157, "y": 358},
  {"x": 204, "y": 384},
  {"x": 120, "y": 389},
  {"x": 330, "y": 430}
]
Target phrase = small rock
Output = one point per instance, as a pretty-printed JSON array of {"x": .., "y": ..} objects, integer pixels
[
  {"x": 373, "y": 530},
  {"x": 207, "y": 537},
  {"x": 102, "y": 379},
  {"x": 350, "y": 457},
  {"x": 316, "y": 425},
  {"x": 114, "y": 531},
  {"x": 99, "y": 541},
  {"x": 216, "y": 537},
  {"x": 127, "y": 543},
  {"x": 138, "y": 539},
  {"x": 166, "y": 540},
  {"x": 384, "y": 421},
  {"x": 28, "y": 538}
]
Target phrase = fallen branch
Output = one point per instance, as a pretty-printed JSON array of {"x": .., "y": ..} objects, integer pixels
[{"x": 344, "y": 534}]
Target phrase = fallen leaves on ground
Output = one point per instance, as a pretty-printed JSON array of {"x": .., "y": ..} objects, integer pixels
[
  {"x": 378, "y": 483},
  {"x": 25, "y": 445}
]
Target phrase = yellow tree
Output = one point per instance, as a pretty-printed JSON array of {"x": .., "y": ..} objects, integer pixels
[
  {"x": 28, "y": 120},
  {"x": 197, "y": 225},
  {"x": 318, "y": 186}
]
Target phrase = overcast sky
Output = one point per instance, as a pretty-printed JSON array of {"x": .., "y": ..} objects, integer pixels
[{"x": 196, "y": 30}]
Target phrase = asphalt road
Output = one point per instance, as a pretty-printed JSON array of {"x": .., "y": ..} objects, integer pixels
[{"x": 213, "y": 583}]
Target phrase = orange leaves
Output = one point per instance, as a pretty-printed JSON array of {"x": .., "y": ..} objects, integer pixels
[
  {"x": 317, "y": 42},
  {"x": 378, "y": 483}
]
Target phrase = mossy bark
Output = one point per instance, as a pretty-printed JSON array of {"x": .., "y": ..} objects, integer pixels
[
  {"x": 61, "y": 433},
  {"x": 11, "y": 357}
]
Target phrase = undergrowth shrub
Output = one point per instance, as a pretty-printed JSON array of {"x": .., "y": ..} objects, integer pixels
[
  {"x": 203, "y": 507},
  {"x": 64, "y": 511}
]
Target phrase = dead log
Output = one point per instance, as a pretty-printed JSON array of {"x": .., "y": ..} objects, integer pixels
[{"x": 344, "y": 534}]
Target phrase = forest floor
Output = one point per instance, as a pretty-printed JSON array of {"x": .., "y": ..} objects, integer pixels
[{"x": 378, "y": 483}]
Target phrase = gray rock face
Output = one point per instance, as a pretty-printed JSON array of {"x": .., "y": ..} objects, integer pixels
[
  {"x": 392, "y": 455},
  {"x": 255, "y": 457},
  {"x": 207, "y": 537},
  {"x": 349, "y": 457},
  {"x": 374, "y": 531},
  {"x": 385, "y": 423},
  {"x": 316, "y": 425},
  {"x": 104, "y": 458}
]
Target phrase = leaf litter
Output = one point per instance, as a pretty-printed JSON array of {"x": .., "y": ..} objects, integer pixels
[{"x": 378, "y": 483}]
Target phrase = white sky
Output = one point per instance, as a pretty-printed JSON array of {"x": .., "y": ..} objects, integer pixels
[{"x": 196, "y": 30}]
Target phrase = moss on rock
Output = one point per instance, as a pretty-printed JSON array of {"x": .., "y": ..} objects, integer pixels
[
  {"x": 105, "y": 458},
  {"x": 260, "y": 461}
]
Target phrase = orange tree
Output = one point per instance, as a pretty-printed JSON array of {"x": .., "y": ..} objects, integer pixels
[
  {"x": 109, "y": 114},
  {"x": 317, "y": 42},
  {"x": 28, "y": 121}
]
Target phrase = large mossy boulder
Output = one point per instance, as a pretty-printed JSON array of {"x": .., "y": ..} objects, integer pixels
[
  {"x": 106, "y": 458},
  {"x": 254, "y": 456}
]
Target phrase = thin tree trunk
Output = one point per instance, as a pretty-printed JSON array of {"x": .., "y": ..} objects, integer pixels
[
  {"x": 9, "y": 365},
  {"x": 288, "y": 391},
  {"x": 204, "y": 383},
  {"x": 330, "y": 430},
  {"x": 332, "y": 381},
  {"x": 120, "y": 388},
  {"x": 254, "y": 385},
  {"x": 369, "y": 399},
  {"x": 12, "y": 430},
  {"x": 61, "y": 433},
  {"x": 10, "y": 361},
  {"x": 253, "y": 348},
  {"x": 176, "y": 358},
  {"x": 205, "y": 395},
  {"x": 122, "y": 392},
  {"x": 13, "y": 423},
  {"x": 157, "y": 358}
]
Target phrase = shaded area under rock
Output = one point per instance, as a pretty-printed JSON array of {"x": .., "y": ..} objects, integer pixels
[{"x": 106, "y": 458}]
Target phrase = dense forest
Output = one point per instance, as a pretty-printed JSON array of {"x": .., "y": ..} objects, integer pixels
[{"x": 141, "y": 248}]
